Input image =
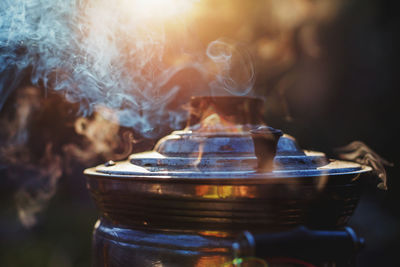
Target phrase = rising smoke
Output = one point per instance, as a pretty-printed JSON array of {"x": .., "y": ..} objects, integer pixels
[
  {"x": 36, "y": 174},
  {"x": 237, "y": 78},
  {"x": 359, "y": 152},
  {"x": 114, "y": 59},
  {"x": 112, "y": 55}
]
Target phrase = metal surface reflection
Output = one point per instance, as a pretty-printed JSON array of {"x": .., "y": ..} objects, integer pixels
[{"x": 185, "y": 202}]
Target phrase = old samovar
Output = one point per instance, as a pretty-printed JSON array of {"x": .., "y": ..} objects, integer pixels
[{"x": 206, "y": 195}]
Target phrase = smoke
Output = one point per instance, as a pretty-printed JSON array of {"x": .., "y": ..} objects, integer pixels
[
  {"x": 40, "y": 143},
  {"x": 34, "y": 194},
  {"x": 112, "y": 55},
  {"x": 37, "y": 176},
  {"x": 235, "y": 71},
  {"x": 92, "y": 52},
  {"x": 103, "y": 136},
  {"x": 359, "y": 152},
  {"x": 118, "y": 63}
]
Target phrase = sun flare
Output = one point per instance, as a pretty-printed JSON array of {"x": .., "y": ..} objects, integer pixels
[{"x": 160, "y": 9}]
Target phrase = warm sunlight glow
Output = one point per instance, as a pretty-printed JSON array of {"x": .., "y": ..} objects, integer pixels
[
  {"x": 161, "y": 9},
  {"x": 213, "y": 122}
]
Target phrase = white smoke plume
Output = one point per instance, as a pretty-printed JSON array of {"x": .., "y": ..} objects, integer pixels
[
  {"x": 359, "y": 152},
  {"x": 112, "y": 54},
  {"x": 116, "y": 58},
  {"x": 93, "y": 52},
  {"x": 234, "y": 68}
]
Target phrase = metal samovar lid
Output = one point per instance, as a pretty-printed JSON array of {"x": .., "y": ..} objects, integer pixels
[{"x": 226, "y": 138}]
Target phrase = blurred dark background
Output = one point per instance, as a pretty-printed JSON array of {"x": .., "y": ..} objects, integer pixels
[{"x": 328, "y": 72}]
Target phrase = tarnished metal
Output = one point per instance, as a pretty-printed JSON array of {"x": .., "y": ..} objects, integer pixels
[{"x": 184, "y": 203}]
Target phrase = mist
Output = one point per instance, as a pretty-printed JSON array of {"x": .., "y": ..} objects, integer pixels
[
  {"x": 117, "y": 56},
  {"x": 120, "y": 64}
]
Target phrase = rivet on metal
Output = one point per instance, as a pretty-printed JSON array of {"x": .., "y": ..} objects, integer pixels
[{"x": 109, "y": 163}]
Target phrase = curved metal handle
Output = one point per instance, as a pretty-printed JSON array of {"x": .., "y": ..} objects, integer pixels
[{"x": 300, "y": 243}]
